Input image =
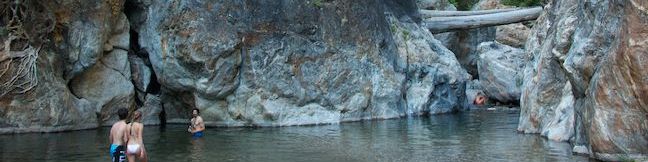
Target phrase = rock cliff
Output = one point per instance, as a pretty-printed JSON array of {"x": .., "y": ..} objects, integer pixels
[{"x": 585, "y": 80}]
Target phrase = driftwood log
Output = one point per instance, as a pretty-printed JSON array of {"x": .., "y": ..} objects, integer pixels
[
  {"x": 480, "y": 19},
  {"x": 440, "y": 13}
]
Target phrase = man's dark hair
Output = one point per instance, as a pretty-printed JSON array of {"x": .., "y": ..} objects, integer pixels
[
  {"x": 122, "y": 113},
  {"x": 198, "y": 111}
]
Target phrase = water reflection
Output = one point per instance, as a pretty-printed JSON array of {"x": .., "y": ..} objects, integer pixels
[
  {"x": 196, "y": 149},
  {"x": 472, "y": 136}
]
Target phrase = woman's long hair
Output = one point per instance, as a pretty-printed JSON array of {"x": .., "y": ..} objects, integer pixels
[{"x": 137, "y": 116}]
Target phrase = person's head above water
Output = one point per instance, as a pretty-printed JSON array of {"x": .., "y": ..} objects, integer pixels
[
  {"x": 195, "y": 112},
  {"x": 122, "y": 113}
]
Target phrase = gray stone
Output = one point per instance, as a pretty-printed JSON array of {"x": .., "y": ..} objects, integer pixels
[
  {"x": 140, "y": 73},
  {"x": 275, "y": 65},
  {"x": 120, "y": 35},
  {"x": 500, "y": 71},
  {"x": 108, "y": 84},
  {"x": 514, "y": 35},
  {"x": 581, "y": 150},
  {"x": 85, "y": 38},
  {"x": 151, "y": 110}
]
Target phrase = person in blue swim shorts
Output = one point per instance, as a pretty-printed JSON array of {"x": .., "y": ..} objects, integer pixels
[
  {"x": 117, "y": 137},
  {"x": 197, "y": 125}
]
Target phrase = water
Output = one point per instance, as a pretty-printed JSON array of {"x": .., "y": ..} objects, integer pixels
[{"x": 470, "y": 136}]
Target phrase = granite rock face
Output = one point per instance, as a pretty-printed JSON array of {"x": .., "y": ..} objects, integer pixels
[
  {"x": 501, "y": 71},
  {"x": 596, "y": 50},
  {"x": 276, "y": 63}
]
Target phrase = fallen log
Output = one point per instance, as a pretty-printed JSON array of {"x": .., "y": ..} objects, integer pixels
[
  {"x": 445, "y": 24},
  {"x": 441, "y": 13}
]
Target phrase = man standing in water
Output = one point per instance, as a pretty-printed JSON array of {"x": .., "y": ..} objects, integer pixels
[
  {"x": 197, "y": 125},
  {"x": 117, "y": 137}
]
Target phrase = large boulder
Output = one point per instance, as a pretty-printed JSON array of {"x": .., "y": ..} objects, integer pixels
[
  {"x": 436, "y": 80},
  {"x": 500, "y": 71},
  {"x": 275, "y": 63},
  {"x": 598, "y": 56}
]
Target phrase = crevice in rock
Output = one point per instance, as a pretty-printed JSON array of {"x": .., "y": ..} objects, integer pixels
[
  {"x": 162, "y": 116},
  {"x": 69, "y": 87},
  {"x": 135, "y": 11},
  {"x": 154, "y": 86}
]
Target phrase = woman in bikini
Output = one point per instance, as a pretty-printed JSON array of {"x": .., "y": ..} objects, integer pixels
[{"x": 135, "y": 147}]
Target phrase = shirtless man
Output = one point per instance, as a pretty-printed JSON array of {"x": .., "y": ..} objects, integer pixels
[
  {"x": 197, "y": 125},
  {"x": 117, "y": 137}
]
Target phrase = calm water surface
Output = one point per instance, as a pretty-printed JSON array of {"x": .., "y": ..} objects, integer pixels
[{"x": 469, "y": 136}]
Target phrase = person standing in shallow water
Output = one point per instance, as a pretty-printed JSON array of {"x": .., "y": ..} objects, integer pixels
[
  {"x": 118, "y": 138},
  {"x": 135, "y": 148},
  {"x": 197, "y": 125}
]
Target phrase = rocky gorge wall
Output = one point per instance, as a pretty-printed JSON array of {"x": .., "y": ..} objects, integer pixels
[
  {"x": 275, "y": 63},
  {"x": 242, "y": 63},
  {"x": 585, "y": 78}
]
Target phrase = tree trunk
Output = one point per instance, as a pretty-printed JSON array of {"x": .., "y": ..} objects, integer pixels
[
  {"x": 445, "y": 24},
  {"x": 440, "y": 13}
]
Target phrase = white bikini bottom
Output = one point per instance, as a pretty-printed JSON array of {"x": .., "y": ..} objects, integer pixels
[{"x": 133, "y": 149}]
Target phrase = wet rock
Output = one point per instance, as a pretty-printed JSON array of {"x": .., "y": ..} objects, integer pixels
[
  {"x": 500, "y": 71},
  {"x": 597, "y": 55}
]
